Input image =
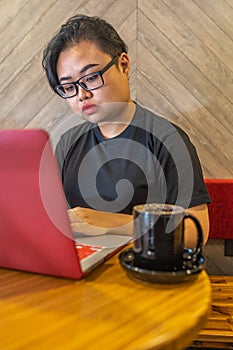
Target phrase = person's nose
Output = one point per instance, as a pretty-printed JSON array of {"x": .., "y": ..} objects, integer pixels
[{"x": 83, "y": 94}]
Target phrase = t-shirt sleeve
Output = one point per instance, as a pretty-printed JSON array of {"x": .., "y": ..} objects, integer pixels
[
  {"x": 66, "y": 142},
  {"x": 182, "y": 171},
  {"x": 60, "y": 155}
]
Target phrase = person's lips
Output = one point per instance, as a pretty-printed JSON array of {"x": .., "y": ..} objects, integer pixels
[{"x": 89, "y": 108}]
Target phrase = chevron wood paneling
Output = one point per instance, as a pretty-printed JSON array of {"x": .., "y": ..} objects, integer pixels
[
  {"x": 184, "y": 62},
  {"x": 182, "y": 65}
]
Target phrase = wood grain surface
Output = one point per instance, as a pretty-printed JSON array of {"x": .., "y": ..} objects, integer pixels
[
  {"x": 106, "y": 310},
  {"x": 218, "y": 330},
  {"x": 109, "y": 310}
]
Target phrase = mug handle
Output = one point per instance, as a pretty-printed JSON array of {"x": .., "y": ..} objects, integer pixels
[{"x": 191, "y": 255}]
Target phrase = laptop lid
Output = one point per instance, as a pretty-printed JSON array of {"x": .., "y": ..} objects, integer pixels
[{"x": 35, "y": 231}]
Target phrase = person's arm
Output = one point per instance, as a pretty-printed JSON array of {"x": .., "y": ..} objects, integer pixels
[
  {"x": 93, "y": 222},
  {"x": 201, "y": 213}
]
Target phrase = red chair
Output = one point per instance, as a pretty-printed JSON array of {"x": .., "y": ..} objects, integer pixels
[
  {"x": 221, "y": 208},
  {"x": 221, "y": 211}
]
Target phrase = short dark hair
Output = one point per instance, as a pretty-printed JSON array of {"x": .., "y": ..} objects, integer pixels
[{"x": 80, "y": 28}]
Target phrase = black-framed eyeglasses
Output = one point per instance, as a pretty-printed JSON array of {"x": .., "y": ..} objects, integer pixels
[{"x": 88, "y": 82}]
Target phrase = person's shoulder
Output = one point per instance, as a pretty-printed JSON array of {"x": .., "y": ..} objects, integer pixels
[
  {"x": 162, "y": 128},
  {"x": 145, "y": 115},
  {"x": 153, "y": 122}
]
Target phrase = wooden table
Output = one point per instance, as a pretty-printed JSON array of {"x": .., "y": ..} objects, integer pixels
[
  {"x": 106, "y": 310},
  {"x": 218, "y": 330}
]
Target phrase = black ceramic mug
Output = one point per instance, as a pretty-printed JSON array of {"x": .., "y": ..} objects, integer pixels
[{"x": 158, "y": 237}]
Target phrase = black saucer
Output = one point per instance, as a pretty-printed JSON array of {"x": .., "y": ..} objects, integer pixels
[{"x": 126, "y": 258}]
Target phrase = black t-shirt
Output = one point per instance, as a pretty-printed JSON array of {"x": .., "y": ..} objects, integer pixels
[{"x": 151, "y": 161}]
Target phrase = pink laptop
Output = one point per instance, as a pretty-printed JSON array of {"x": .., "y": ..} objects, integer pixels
[{"x": 35, "y": 231}]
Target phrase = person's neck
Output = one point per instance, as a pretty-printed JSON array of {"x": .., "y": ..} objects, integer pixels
[{"x": 110, "y": 129}]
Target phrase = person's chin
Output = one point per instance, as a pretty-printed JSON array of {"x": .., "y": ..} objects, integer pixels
[{"x": 94, "y": 118}]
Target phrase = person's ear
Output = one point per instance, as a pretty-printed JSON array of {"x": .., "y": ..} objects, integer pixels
[{"x": 124, "y": 64}]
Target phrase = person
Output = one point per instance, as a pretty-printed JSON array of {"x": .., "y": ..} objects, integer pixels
[{"x": 123, "y": 154}]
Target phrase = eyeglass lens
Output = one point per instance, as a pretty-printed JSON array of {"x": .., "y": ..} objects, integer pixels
[{"x": 88, "y": 82}]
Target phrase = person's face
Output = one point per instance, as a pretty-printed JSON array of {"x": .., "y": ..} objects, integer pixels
[{"x": 97, "y": 105}]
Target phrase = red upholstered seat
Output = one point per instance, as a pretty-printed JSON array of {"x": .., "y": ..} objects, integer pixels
[{"x": 221, "y": 208}]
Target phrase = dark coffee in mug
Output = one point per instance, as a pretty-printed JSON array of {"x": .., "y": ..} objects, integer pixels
[{"x": 158, "y": 237}]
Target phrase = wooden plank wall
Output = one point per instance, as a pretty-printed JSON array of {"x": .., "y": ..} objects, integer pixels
[{"x": 182, "y": 65}]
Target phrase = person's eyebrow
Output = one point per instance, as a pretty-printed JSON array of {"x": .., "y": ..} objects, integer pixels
[
  {"x": 88, "y": 66},
  {"x": 84, "y": 69}
]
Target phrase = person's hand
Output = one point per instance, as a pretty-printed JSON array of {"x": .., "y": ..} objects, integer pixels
[
  {"x": 81, "y": 227},
  {"x": 91, "y": 222}
]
